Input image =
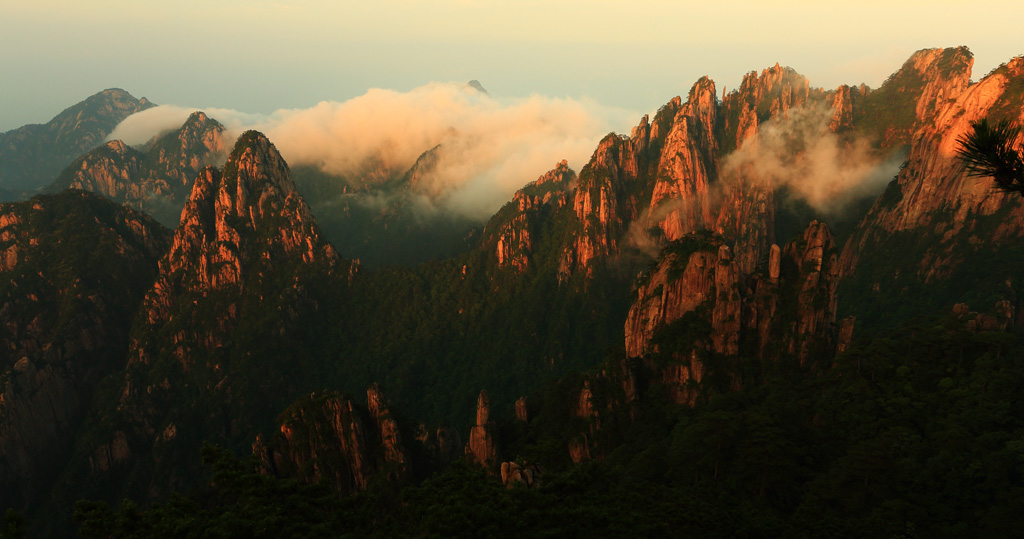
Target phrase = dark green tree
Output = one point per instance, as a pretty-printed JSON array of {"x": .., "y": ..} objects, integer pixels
[
  {"x": 13, "y": 525},
  {"x": 991, "y": 149}
]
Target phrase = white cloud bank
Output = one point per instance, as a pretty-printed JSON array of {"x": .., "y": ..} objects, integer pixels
[{"x": 489, "y": 147}]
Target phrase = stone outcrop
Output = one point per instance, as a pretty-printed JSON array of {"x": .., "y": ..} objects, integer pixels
[
  {"x": 846, "y": 329},
  {"x": 697, "y": 283},
  {"x": 1001, "y": 317},
  {"x": 514, "y": 474},
  {"x": 683, "y": 280},
  {"x": 329, "y": 439},
  {"x": 481, "y": 448},
  {"x": 442, "y": 443},
  {"x": 518, "y": 222},
  {"x": 522, "y": 411},
  {"x": 815, "y": 257},
  {"x": 396, "y": 457},
  {"x": 604, "y": 401},
  {"x": 842, "y": 109}
]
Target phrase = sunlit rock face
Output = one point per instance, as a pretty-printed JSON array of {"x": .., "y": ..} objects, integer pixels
[
  {"x": 698, "y": 277},
  {"x": 933, "y": 209},
  {"x": 481, "y": 448},
  {"x": 237, "y": 228}
]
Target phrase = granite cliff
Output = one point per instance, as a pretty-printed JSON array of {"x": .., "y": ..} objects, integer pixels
[
  {"x": 934, "y": 225},
  {"x": 329, "y": 439}
]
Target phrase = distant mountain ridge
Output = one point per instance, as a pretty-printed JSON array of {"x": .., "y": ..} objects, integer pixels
[
  {"x": 33, "y": 155},
  {"x": 156, "y": 177}
]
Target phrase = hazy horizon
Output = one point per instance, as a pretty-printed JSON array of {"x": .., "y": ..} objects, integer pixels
[{"x": 262, "y": 56}]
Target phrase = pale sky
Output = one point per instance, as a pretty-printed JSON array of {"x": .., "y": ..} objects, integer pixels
[{"x": 259, "y": 55}]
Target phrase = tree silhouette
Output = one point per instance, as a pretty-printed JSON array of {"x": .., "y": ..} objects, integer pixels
[{"x": 990, "y": 149}]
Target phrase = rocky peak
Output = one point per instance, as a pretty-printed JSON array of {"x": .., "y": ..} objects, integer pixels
[
  {"x": 946, "y": 74},
  {"x": 200, "y": 128},
  {"x": 175, "y": 158},
  {"x": 255, "y": 162},
  {"x": 760, "y": 98},
  {"x": 680, "y": 203},
  {"x": 251, "y": 209},
  {"x": 746, "y": 209},
  {"x": 475, "y": 84},
  {"x": 596, "y": 200},
  {"x": 515, "y": 224},
  {"x": 663, "y": 119},
  {"x": 238, "y": 227},
  {"x": 615, "y": 187},
  {"x": 99, "y": 113},
  {"x": 911, "y": 97},
  {"x": 425, "y": 166},
  {"x": 483, "y": 408},
  {"x": 558, "y": 175},
  {"x": 108, "y": 169},
  {"x": 932, "y": 195},
  {"x": 842, "y": 109},
  {"x": 702, "y": 101},
  {"x": 323, "y": 439},
  {"x": 641, "y": 133},
  {"x": 776, "y": 89},
  {"x": 117, "y": 146}
]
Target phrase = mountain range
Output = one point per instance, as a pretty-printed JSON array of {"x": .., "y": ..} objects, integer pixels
[{"x": 729, "y": 288}]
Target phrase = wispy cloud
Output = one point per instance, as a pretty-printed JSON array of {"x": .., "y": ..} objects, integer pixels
[{"x": 799, "y": 151}]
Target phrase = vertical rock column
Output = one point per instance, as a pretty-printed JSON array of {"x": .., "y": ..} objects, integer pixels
[{"x": 481, "y": 448}]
